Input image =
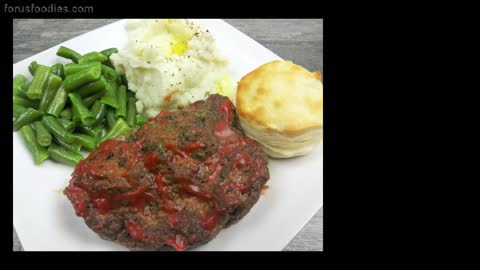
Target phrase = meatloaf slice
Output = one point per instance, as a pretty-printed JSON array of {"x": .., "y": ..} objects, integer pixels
[{"x": 175, "y": 182}]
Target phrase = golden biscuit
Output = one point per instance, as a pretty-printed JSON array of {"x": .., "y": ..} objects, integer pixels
[{"x": 280, "y": 105}]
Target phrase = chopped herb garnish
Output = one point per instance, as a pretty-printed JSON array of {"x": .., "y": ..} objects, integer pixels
[
  {"x": 200, "y": 115},
  {"x": 122, "y": 163},
  {"x": 184, "y": 136}
]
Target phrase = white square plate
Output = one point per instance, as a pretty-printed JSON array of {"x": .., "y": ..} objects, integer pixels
[{"x": 45, "y": 220}]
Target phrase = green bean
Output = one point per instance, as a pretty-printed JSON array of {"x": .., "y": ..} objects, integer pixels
[
  {"x": 124, "y": 79},
  {"x": 92, "y": 131},
  {"x": 97, "y": 105},
  {"x": 85, "y": 141},
  {"x": 32, "y": 68},
  {"x": 98, "y": 110},
  {"x": 81, "y": 78},
  {"x": 122, "y": 102},
  {"x": 39, "y": 82},
  {"x": 18, "y": 110},
  {"x": 21, "y": 91},
  {"x": 109, "y": 64},
  {"x": 25, "y": 102},
  {"x": 76, "y": 118},
  {"x": 44, "y": 137},
  {"x": 58, "y": 102},
  {"x": 110, "y": 116},
  {"x": 21, "y": 96},
  {"x": 108, "y": 52},
  {"x": 92, "y": 88},
  {"x": 53, "y": 84},
  {"x": 29, "y": 137},
  {"x": 66, "y": 114},
  {"x": 79, "y": 108},
  {"x": 110, "y": 97},
  {"x": 131, "y": 94},
  {"x": 28, "y": 117},
  {"x": 57, "y": 129},
  {"x": 72, "y": 68},
  {"x": 26, "y": 86},
  {"x": 131, "y": 112},
  {"x": 68, "y": 53},
  {"x": 18, "y": 91},
  {"x": 110, "y": 74},
  {"x": 91, "y": 99},
  {"x": 86, "y": 130},
  {"x": 120, "y": 128},
  {"x": 92, "y": 57},
  {"x": 73, "y": 147},
  {"x": 98, "y": 130},
  {"x": 62, "y": 155},
  {"x": 67, "y": 124},
  {"x": 141, "y": 120},
  {"x": 58, "y": 70},
  {"x": 19, "y": 80}
]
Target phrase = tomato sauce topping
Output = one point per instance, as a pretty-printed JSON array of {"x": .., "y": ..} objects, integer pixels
[
  {"x": 135, "y": 230},
  {"x": 179, "y": 170},
  {"x": 209, "y": 221},
  {"x": 223, "y": 130},
  {"x": 79, "y": 199},
  {"x": 178, "y": 242}
]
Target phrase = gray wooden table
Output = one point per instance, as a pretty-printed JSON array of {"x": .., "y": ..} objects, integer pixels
[{"x": 298, "y": 40}]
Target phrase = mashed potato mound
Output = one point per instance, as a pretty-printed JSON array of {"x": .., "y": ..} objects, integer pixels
[{"x": 170, "y": 63}]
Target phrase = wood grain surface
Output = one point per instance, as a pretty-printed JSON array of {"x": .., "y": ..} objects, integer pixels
[{"x": 300, "y": 41}]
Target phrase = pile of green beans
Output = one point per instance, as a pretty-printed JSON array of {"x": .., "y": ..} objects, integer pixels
[{"x": 68, "y": 108}]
